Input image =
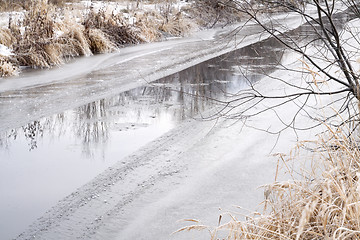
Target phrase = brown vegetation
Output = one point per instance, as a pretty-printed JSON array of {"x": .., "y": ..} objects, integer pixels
[{"x": 7, "y": 68}]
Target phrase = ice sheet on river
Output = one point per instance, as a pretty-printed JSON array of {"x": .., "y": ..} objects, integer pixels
[{"x": 187, "y": 173}]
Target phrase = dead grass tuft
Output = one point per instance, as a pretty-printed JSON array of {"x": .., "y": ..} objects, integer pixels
[
  {"x": 7, "y": 68},
  {"x": 6, "y": 37},
  {"x": 177, "y": 25},
  {"x": 75, "y": 41},
  {"x": 99, "y": 41},
  {"x": 34, "y": 46},
  {"x": 112, "y": 25},
  {"x": 148, "y": 24},
  {"x": 153, "y": 26}
]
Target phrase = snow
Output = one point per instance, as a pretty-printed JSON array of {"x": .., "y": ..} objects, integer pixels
[
  {"x": 181, "y": 4},
  {"x": 5, "y": 51},
  {"x": 15, "y": 16},
  {"x": 58, "y": 33}
]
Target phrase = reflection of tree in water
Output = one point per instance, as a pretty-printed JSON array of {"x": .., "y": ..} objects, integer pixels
[
  {"x": 33, "y": 131},
  {"x": 90, "y": 125},
  {"x": 198, "y": 88}
]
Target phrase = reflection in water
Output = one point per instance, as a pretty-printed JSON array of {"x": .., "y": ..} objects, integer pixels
[
  {"x": 32, "y": 131},
  {"x": 89, "y": 125}
]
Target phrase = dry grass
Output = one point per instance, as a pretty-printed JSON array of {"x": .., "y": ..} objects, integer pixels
[
  {"x": 35, "y": 46},
  {"x": 153, "y": 26},
  {"x": 324, "y": 203},
  {"x": 10, "y": 5},
  {"x": 177, "y": 25},
  {"x": 148, "y": 24},
  {"x": 7, "y": 68},
  {"x": 35, "y": 41},
  {"x": 18, "y": 5},
  {"x": 113, "y": 28},
  {"x": 6, "y": 37},
  {"x": 74, "y": 40}
]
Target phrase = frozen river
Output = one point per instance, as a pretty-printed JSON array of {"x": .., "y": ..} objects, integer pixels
[{"x": 115, "y": 133}]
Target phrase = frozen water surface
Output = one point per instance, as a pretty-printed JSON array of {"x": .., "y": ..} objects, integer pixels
[{"x": 60, "y": 128}]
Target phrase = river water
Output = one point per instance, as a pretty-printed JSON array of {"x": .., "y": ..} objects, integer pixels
[{"x": 47, "y": 159}]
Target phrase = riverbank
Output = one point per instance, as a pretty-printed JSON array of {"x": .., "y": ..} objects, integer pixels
[{"x": 44, "y": 35}]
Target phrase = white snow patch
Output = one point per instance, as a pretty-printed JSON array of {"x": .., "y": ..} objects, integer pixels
[
  {"x": 5, "y": 51},
  {"x": 15, "y": 17}
]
